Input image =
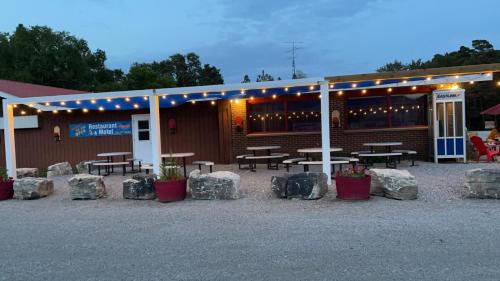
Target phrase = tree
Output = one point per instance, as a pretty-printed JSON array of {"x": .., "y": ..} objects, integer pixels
[
  {"x": 299, "y": 74},
  {"x": 263, "y": 77},
  {"x": 246, "y": 79},
  {"x": 478, "y": 96},
  {"x": 40, "y": 55}
]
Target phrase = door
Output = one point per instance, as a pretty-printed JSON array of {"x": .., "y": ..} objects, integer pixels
[
  {"x": 141, "y": 138},
  {"x": 449, "y": 129}
]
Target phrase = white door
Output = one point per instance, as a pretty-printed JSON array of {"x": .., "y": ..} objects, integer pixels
[{"x": 141, "y": 138}]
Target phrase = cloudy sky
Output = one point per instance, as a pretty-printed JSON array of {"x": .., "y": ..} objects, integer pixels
[{"x": 246, "y": 36}]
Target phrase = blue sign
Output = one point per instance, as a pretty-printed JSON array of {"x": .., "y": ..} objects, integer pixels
[{"x": 100, "y": 129}]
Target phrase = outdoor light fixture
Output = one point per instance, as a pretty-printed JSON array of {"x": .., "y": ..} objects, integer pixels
[
  {"x": 30, "y": 105},
  {"x": 498, "y": 83},
  {"x": 471, "y": 82},
  {"x": 456, "y": 76},
  {"x": 251, "y": 98},
  {"x": 340, "y": 93},
  {"x": 311, "y": 87},
  {"x": 212, "y": 102},
  {"x": 185, "y": 96},
  {"x": 172, "y": 102},
  {"x": 127, "y": 99},
  {"x": 38, "y": 110},
  {"x": 55, "y": 111},
  {"x": 363, "y": 92},
  {"x": 331, "y": 86},
  {"x": 85, "y": 110},
  {"x": 92, "y": 101},
  {"x": 263, "y": 91},
  {"x": 298, "y": 94},
  {"x": 414, "y": 88},
  {"x": 205, "y": 94},
  {"x": 193, "y": 101},
  {"x": 108, "y": 100},
  {"x": 23, "y": 112},
  {"x": 223, "y": 93},
  {"x": 117, "y": 106},
  {"x": 163, "y": 97},
  {"x": 354, "y": 85},
  {"x": 47, "y": 104},
  {"x": 428, "y": 78},
  {"x": 389, "y": 90},
  {"x": 319, "y": 96},
  {"x": 405, "y": 81},
  {"x": 286, "y": 89},
  {"x": 78, "y": 102},
  {"x": 63, "y": 103},
  {"x": 101, "y": 108},
  {"x": 377, "y": 82},
  {"x": 145, "y": 98},
  {"x": 136, "y": 105},
  {"x": 274, "y": 96},
  {"x": 242, "y": 92},
  {"x": 69, "y": 110}
]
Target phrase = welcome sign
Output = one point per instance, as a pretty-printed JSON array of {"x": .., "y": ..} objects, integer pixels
[{"x": 100, "y": 129}]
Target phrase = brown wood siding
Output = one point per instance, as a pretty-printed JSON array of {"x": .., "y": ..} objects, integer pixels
[{"x": 197, "y": 131}]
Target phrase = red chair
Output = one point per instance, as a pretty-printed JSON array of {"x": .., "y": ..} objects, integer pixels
[{"x": 482, "y": 149}]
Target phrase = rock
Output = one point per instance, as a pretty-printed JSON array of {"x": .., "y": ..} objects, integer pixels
[
  {"x": 392, "y": 183},
  {"x": 27, "y": 172},
  {"x": 82, "y": 167},
  {"x": 216, "y": 185},
  {"x": 307, "y": 186},
  {"x": 32, "y": 188},
  {"x": 139, "y": 187},
  {"x": 84, "y": 186},
  {"x": 483, "y": 183},
  {"x": 59, "y": 169}
]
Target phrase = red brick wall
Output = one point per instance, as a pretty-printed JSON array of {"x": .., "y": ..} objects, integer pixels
[{"x": 349, "y": 140}]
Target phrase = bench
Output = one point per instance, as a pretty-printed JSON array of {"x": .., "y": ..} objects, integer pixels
[
  {"x": 133, "y": 161},
  {"x": 205, "y": 163},
  {"x": 292, "y": 161},
  {"x": 90, "y": 164},
  {"x": 108, "y": 165},
  {"x": 240, "y": 159},
  {"x": 410, "y": 153},
  {"x": 390, "y": 158},
  {"x": 306, "y": 165},
  {"x": 360, "y": 152},
  {"x": 252, "y": 160}
]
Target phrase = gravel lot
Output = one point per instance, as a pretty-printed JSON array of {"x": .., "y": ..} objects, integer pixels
[{"x": 440, "y": 236}]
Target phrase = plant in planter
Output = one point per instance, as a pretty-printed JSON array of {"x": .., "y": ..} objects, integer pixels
[
  {"x": 171, "y": 185},
  {"x": 6, "y": 185},
  {"x": 353, "y": 184}
]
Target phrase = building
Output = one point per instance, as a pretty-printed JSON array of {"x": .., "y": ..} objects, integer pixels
[{"x": 218, "y": 122}]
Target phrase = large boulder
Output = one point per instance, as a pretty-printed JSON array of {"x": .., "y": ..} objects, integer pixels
[
  {"x": 32, "y": 188},
  {"x": 217, "y": 185},
  {"x": 139, "y": 187},
  {"x": 84, "y": 186},
  {"x": 26, "y": 172},
  {"x": 306, "y": 186},
  {"x": 392, "y": 183},
  {"x": 59, "y": 169},
  {"x": 483, "y": 183}
]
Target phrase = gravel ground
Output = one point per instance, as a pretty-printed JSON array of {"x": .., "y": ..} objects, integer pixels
[{"x": 440, "y": 236}]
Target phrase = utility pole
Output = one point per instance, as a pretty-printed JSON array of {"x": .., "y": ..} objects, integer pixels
[{"x": 294, "y": 50}]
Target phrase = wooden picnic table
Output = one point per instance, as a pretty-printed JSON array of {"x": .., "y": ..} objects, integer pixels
[
  {"x": 182, "y": 155},
  {"x": 109, "y": 157},
  {"x": 310, "y": 150},
  {"x": 388, "y": 145},
  {"x": 266, "y": 148}
]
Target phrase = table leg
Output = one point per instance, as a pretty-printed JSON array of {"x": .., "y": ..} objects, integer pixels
[
  {"x": 307, "y": 156},
  {"x": 372, "y": 149}
]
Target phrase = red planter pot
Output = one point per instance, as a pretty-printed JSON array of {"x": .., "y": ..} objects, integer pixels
[
  {"x": 169, "y": 191},
  {"x": 6, "y": 189},
  {"x": 351, "y": 188}
]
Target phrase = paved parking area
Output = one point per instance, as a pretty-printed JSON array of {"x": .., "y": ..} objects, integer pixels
[{"x": 440, "y": 236}]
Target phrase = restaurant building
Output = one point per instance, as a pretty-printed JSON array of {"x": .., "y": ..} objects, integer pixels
[{"x": 218, "y": 122}]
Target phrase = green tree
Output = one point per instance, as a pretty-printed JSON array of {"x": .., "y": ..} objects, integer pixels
[
  {"x": 246, "y": 79},
  {"x": 40, "y": 55},
  {"x": 478, "y": 96},
  {"x": 263, "y": 77}
]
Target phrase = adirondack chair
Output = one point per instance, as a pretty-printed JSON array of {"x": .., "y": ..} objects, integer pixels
[{"x": 482, "y": 149}]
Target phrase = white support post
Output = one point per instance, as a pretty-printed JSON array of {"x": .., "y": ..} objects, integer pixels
[
  {"x": 8, "y": 134},
  {"x": 325, "y": 129},
  {"x": 154, "y": 117}
]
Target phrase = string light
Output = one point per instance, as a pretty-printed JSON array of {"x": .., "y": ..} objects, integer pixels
[
  {"x": 78, "y": 102},
  {"x": 145, "y": 97},
  {"x": 311, "y": 88},
  {"x": 23, "y": 112},
  {"x": 471, "y": 82},
  {"x": 212, "y": 102},
  {"x": 223, "y": 93},
  {"x": 298, "y": 94},
  {"x": 456, "y": 76},
  {"x": 127, "y": 99},
  {"x": 193, "y": 101},
  {"x": 331, "y": 86},
  {"x": 264, "y": 91},
  {"x": 340, "y": 93},
  {"x": 242, "y": 92},
  {"x": 363, "y": 92},
  {"x": 405, "y": 81},
  {"x": 117, "y": 106},
  {"x": 354, "y": 85},
  {"x": 205, "y": 94},
  {"x": 39, "y": 110},
  {"x": 63, "y": 103},
  {"x": 319, "y": 96},
  {"x": 85, "y": 110},
  {"x": 30, "y": 105},
  {"x": 185, "y": 96},
  {"x": 47, "y": 104},
  {"x": 377, "y": 82},
  {"x": 108, "y": 100},
  {"x": 92, "y": 101},
  {"x": 15, "y": 105},
  {"x": 164, "y": 97},
  {"x": 101, "y": 108},
  {"x": 172, "y": 102},
  {"x": 498, "y": 83},
  {"x": 389, "y": 90},
  {"x": 251, "y": 98},
  {"x": 274, "y": 96},
  {"x": 488, "y": 74},
  {"x": 69, "y": 110},
  {"x": 428, "y": 78},
  {"x": 286, "y": 89},
  {"x": 414, "y": 88},
  {"x": 136, "y": 105},
  {"x": 55, "y": 111}
]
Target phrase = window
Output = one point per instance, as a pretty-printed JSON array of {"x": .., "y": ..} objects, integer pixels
[
  {"x": 143, "y": 130},
  {"x": 286, "y": 115},
  {"x": 389, "y": 111}
]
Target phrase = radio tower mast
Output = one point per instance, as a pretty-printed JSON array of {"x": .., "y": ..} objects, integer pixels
[{"x": 294, "y": 50}]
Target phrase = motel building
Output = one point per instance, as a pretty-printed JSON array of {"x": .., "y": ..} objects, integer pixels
[{"x": 423, "y": 109}]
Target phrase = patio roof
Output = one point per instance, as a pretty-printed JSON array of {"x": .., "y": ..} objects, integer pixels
[{"x": 494, "y": 110}]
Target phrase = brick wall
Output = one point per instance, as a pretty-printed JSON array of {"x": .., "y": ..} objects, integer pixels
[{"x": 350, "y": 140}]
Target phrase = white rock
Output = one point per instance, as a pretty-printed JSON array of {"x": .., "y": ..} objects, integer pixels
[
  {"x": 59, "y": 169},
  {"x": 483, "y": 183},
  {"x": 84, "y": 186},
  {"x": 393, "y": 183},
  {"x": 32, "y": 188},
  {"x": 26, "y": 172},
  {"x": 217, "y": 185}
]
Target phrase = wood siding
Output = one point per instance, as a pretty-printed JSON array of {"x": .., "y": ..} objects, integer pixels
[{"x": 197, "y": 131}]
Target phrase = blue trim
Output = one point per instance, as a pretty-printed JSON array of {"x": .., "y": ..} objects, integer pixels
[
  {"x": 459, "y": 145},
  {"x": 450, "y": 146}
]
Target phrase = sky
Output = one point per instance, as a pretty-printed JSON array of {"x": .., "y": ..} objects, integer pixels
[{"x": 247, "y": 36}]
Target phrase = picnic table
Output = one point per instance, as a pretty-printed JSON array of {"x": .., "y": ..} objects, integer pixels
[
  {"x": 388, "y": 145},
  {"x": 268, "y": 156},
  {"x": 182, "y": 155},
  {"x": 308, "y": 151},
  {"x": 267, "y": 148},
  {"x": 109, "y": 159}
]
